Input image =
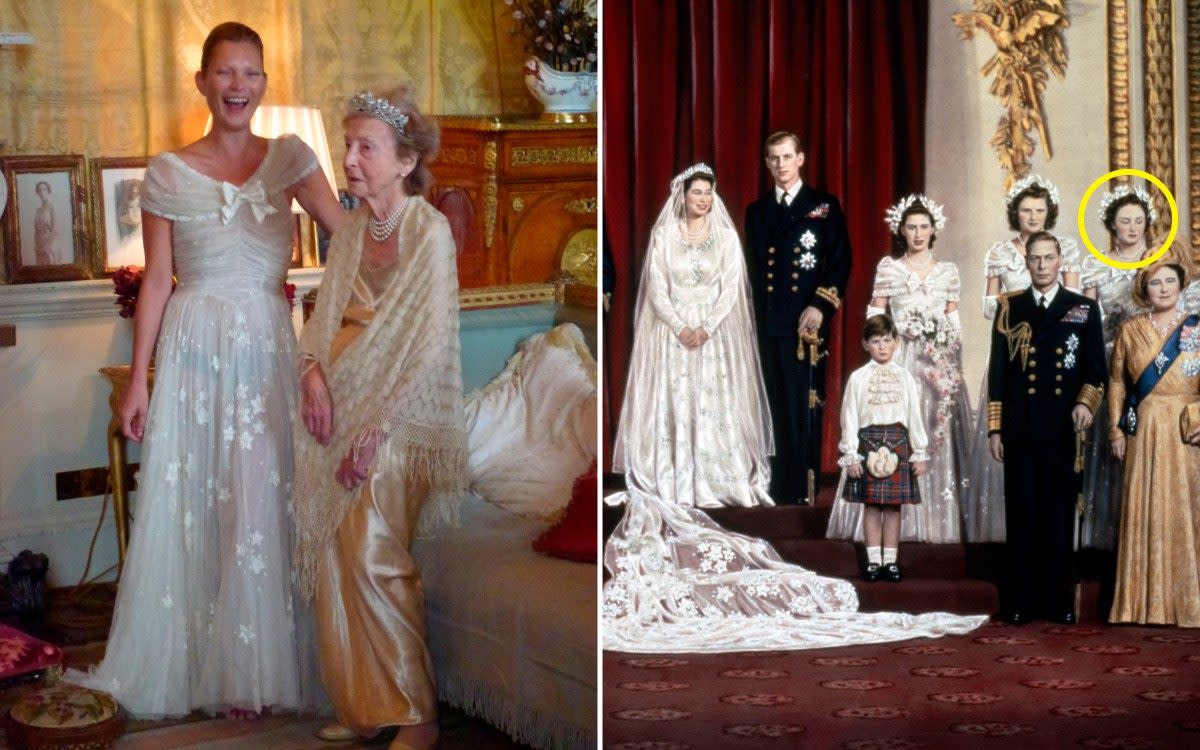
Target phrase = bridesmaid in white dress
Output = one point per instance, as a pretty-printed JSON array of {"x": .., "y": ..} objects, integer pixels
[
  {"x": 1032, "y": 206},
  {"x": 204, "y": 614},
  {"x": 1127, "y": 214},
  {"x": 921, "y": 294}
]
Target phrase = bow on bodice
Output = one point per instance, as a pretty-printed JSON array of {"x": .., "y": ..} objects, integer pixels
[{"x": 251, "y": 194}]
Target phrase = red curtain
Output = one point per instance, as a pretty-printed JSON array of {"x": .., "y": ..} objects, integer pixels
[{"x": 708, "y": 80}]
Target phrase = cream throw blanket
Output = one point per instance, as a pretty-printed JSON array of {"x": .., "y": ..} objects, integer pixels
[{"x": 401, "y": 375}]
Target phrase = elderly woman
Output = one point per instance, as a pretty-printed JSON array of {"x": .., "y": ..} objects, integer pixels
[
  {"x": 1154, "y": 392},
  {"x": 384, "y": 441}
]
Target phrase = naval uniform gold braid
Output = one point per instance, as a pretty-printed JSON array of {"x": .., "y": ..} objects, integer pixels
[
  {"x": 994, "y": 410},
  {"x": 1018, "y": 337},
  {"x": 1090, "y": 396}
]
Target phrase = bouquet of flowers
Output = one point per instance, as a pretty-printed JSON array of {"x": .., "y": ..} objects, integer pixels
[
  {"x": 939, "y": 342},
  {"x": 561, "y": 33},
  {"x": 127, "y": 284}
]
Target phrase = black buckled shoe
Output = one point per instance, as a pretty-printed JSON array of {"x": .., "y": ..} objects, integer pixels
[
  {"x": 892, "y": 572},
  {"x": 870, "y": 574}
]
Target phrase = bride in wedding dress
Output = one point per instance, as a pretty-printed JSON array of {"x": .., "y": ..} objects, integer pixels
[{"x": 694, "y": 432}]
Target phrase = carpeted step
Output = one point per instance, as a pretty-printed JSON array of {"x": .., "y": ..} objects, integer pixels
[
  {"x": 845, "y": 559},
  {"x": 963, "y": 596}
]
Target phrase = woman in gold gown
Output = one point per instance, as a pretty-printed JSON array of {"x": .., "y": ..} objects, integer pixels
[
  {"x": 1154, "y": 386},
  {"x": 384, "y": 441}
]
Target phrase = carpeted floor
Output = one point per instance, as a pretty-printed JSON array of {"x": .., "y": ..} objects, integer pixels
[{"x": 1034, "y": 686}]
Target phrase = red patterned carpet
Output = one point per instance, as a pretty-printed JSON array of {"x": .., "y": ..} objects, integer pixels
[{"x": 1036, "y": 686}]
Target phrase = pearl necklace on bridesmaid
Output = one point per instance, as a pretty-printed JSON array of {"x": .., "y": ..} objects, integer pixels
[
  {"x": 381, "y": 230},
  {"x": 908, "y": 259}
]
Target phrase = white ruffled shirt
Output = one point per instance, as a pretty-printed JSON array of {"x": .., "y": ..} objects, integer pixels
[{"x": 881, "y": 394}]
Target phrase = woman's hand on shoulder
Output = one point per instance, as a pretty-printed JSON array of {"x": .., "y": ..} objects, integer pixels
[
  {"x": 316, "y": 405},
  {"x": 132, "y": 410}
]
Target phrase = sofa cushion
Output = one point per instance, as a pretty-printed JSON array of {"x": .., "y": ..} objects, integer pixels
[
  {"x": 574, "y": 536},
  {"x": 532, "y": 430}
]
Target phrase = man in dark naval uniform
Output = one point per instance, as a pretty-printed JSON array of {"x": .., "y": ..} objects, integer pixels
[
  {"x": 1045, "y": 380},
  {"x": 798, "y": 257}
]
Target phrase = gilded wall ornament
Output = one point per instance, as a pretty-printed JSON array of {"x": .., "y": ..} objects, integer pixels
[{"x": 1030, "y": 45}]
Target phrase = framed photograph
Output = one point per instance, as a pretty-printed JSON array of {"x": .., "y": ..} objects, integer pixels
[
  {"x": 46, "y": 222},
  {"x": 116, "y": 198}
]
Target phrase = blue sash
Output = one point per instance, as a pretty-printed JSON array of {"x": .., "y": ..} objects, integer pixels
[{"x": 1151, "y": 375}]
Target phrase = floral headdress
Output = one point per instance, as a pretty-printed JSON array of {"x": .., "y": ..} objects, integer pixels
[
  {"x": 1027, "y": 182},
  {"x": 1123, "y": 190},
  {"x": 894, "y": 214}
]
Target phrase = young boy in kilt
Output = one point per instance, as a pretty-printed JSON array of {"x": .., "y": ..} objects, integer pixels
[{"x": 883, "y": 446}]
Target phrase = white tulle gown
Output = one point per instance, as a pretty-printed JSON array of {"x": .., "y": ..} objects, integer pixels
[
  {"x": 205, "y": 615},
  {"x": 983, "y": 489},
  {"x": 679, "y": 582},
  {"x": 912, "y": 300}
]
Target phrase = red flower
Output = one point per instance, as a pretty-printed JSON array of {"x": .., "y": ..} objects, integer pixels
[
  {"x": 289, "y": 291},
  {"x": 127, "y": 283}
]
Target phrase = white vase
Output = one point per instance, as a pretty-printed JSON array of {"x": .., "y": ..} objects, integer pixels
[{"x": 561, "y": 93}]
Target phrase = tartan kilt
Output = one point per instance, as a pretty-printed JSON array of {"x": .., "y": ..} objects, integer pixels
[{"x": 898, "y": 489}]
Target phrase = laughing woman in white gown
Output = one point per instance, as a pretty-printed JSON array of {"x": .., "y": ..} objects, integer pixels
[
  {"x": 1032, "y": 205},
  {"x": 921, "y": 293},
  {"x": 204, "y": 614},
  {"x": 695, "y": 432}
]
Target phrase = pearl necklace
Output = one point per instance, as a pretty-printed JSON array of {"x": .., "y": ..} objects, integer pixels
[
  {"x": 908, "y": 259},
  {"x": 693, "y": 238},
  {"x": 1164, "y": 330},
  {"x": 1137, "y": 254},
  {"x": 381, "y": 230}
]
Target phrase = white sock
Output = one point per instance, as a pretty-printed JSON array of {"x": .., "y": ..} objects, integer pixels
[
  {"x": 873, "y": 555},
  {"x": 889, "y": 555}
]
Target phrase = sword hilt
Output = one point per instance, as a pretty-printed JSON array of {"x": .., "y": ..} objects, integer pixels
[{"x": 810, "y": 343}]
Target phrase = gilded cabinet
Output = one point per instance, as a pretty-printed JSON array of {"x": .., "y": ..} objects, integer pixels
[{"x": 521, "y": 198}]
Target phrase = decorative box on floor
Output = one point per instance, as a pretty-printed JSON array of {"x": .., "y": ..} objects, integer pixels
[
  {"x": 64, "y": 717},
  {"x": 521, "y": 198}
]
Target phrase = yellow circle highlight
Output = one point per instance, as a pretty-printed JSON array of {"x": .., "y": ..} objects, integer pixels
[{"x": 1128, "y": 265}]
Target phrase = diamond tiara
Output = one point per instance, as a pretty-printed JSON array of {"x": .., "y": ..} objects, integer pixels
[
  {"x": 894, "y": 213},
  {"x": 1027, "y": 182},
  {"x": 697, "y": 168},
  {"x": 368, "y": 103},
  {"x": 1121, "y": 191}
]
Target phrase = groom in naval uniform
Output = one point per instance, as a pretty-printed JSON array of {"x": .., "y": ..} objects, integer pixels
[
  {"x": 1045, "y": 380},
  {"x": 798, "y": 257}
]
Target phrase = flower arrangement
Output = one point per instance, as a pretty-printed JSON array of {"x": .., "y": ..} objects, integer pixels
[
  {"x": 561, "y": 33},
  {"x": 939, "y": 341},
  {"x": 127, "y": 284}
]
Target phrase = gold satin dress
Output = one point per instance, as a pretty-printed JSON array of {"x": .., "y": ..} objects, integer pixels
[
  {"x": 369, "y": 604},
  {"x": 1158, "y": 555}
]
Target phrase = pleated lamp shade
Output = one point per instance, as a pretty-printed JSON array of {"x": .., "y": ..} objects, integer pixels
[{"x": 274, "y": 120}]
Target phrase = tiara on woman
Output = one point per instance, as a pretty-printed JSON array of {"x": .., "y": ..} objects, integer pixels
[
  {"x": 1027, "y": 182},
  {"x": 367, "y": 103},
  {"x": 1123, "y": 190},
  {"x": 697, "y": 168},
  {"x": 894, "y": 214}
]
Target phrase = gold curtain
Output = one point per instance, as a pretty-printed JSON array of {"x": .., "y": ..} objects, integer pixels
[{"x": 115, "y": 77}]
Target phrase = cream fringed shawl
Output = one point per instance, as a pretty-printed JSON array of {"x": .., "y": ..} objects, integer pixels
[{"x": 402, "y": 375}]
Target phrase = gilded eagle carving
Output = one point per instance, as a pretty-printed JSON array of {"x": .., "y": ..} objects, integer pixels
[{"x": 1030, "y": 45}]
